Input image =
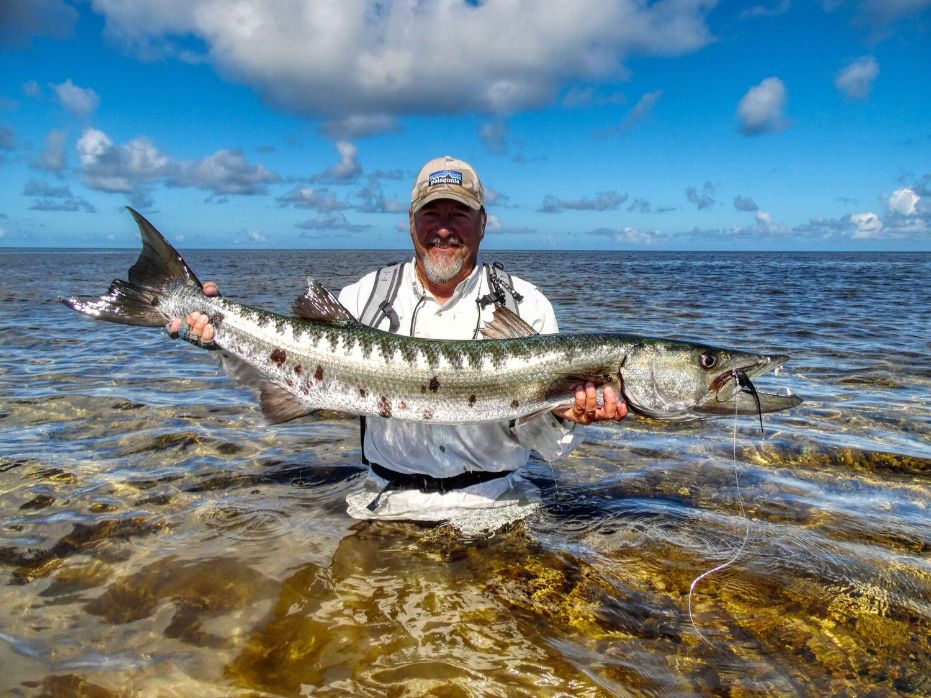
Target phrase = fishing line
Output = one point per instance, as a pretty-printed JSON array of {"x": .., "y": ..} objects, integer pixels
[
  {"x": 555, "y": 483},
  {"x": 743, "y": 542}
]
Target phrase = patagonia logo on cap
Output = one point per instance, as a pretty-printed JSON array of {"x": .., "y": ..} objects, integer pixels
[{"x": 445, "y": 177}]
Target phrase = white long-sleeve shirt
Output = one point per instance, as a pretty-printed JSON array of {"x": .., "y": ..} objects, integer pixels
[{"x": 446, "y": 450}]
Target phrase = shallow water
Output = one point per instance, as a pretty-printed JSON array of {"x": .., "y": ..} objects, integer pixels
[{"x": 158, "y": 538}]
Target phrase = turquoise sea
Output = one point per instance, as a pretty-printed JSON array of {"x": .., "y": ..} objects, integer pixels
[{"x": 158, "y": 538}]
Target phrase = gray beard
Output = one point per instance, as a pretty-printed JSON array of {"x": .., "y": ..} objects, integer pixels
[{"x": 444, "y": 269}]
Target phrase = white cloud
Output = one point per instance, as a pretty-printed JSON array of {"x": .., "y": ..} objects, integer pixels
[
  {"x": 54, "y": 158},
  {"x": 359, "y": 126},
  {"x": 494, "y": 135},
  {"x": 374, "y": 200},
  {"x": 37, "y": 188},
  {"x": 856, "y": 80},
  {"x": 331, "y": 221},
  {"x": 702, "y": 199},
  {"x": 765, "y": 224},
  {"x": 745, "y": 203},
  {"x": 256, "y": 236},
  {"x": 493, "y": 197},
  {"x": 55, "y": 198},
  {"x": 603, "y": 201},
  {"x": 32, "y": 89},
  {"x": 904, "y": 202},
  {"x": 642, "y": 110},
  {"x": 359, "y": 59},
  {"x": 346, "y": 170},
  {"x": 764, "y": 11},
  {"x": 135, "y": 167},
  {"x": 225, "y": 172},
  {"x": 760, "y": 110},
  {"x": 310, "y": 197},
  {"x": 879, "y": 13},
  {"x": 866, "y": 225},
  {"x": 80, "y": 101},
  {"x": 628, "y": 235},
  {"x": 119, "y": 168}
]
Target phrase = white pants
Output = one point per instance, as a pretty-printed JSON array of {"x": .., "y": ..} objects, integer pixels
[{"x": 480, "y": 508}]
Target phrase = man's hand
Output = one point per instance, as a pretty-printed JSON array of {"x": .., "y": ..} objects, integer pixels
[
  {"x": 196, "y": 327},
  {"x": 586, "y": 409}
]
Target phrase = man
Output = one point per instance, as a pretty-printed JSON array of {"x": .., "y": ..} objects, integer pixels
[{"x": 465, "y": 474}]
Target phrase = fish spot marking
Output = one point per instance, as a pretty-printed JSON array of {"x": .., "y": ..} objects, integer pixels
[
  {"x": 515, "y": 404},
  {"x": 362, "y": 392},
  {"x": 298, "y": 369},
  {"x": 403, "y": 406},
  {"x": 384, "y": 406},
  {"x": 423, "y": 388},
  {"x": 434, "y": 384},
  {"x": 471, "y": 400},
  {"x": 428, "y": 415},
  {"x": 278, "y": 356},
  {"x": 318, "y": 374}
]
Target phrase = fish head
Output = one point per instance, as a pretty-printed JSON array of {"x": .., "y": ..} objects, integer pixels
[{"x": 678, "y": 381}]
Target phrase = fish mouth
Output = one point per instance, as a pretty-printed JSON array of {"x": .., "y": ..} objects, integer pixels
[{"x": 732, "y": 381}]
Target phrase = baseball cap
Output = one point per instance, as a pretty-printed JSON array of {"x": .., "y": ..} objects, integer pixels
[{"x": 448, "y": 178}]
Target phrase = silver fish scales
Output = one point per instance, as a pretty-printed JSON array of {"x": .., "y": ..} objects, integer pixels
[{"x": 322, "y": 358}]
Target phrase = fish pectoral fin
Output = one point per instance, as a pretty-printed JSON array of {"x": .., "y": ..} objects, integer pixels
[
  {"x": 744, "y": 403},
  {"x": 507, "y": 324},
  {"x": 533, "y": 415},
  {"x": 319, "y": 304},
  {"x": 279, "y": 406}
]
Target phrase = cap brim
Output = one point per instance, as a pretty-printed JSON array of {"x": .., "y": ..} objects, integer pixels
[{"x": 469, "y": 201}]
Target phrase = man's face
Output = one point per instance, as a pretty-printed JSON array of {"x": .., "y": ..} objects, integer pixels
[{"x": 446, "y": 235}]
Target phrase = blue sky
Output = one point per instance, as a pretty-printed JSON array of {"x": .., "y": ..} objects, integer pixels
[{"x": 623, "y": 124}]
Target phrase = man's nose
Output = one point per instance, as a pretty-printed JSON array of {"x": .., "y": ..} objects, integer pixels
[{"x": 444, "y": 229}]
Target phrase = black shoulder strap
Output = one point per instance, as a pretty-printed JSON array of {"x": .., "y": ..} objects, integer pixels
[
  {"x": 381, "y": 301},
  {"x": 502, "y": 291}
]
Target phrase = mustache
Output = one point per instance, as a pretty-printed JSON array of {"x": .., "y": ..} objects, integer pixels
[{"x": 451, "y": 241}]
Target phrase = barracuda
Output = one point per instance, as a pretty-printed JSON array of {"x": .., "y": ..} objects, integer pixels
[{"x": 322, "y": 358}]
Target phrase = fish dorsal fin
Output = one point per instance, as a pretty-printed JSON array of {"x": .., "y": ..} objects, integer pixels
[
  {"x": 319, "y": 304},
  {"x": 506, "y": 324},
  {"x": 278, "y": 405}
]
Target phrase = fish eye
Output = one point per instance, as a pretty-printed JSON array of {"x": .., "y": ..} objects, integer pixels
[{"x": 708, "y": 360}]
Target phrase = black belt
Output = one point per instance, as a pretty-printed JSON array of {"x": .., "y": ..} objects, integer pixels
[{"x": 428, "y": 483}]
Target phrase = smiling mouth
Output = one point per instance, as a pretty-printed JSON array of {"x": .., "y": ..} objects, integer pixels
[{"x": 448, "y": 244}]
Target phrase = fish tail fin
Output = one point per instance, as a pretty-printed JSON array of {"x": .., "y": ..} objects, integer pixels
[{"x": 135, "y": 302}]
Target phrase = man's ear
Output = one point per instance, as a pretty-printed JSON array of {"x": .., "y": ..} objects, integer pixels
[{"x": 484, "y": 221}]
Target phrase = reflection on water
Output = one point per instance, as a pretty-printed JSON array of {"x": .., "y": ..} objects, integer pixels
[{"x": 157, "y": 537}]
